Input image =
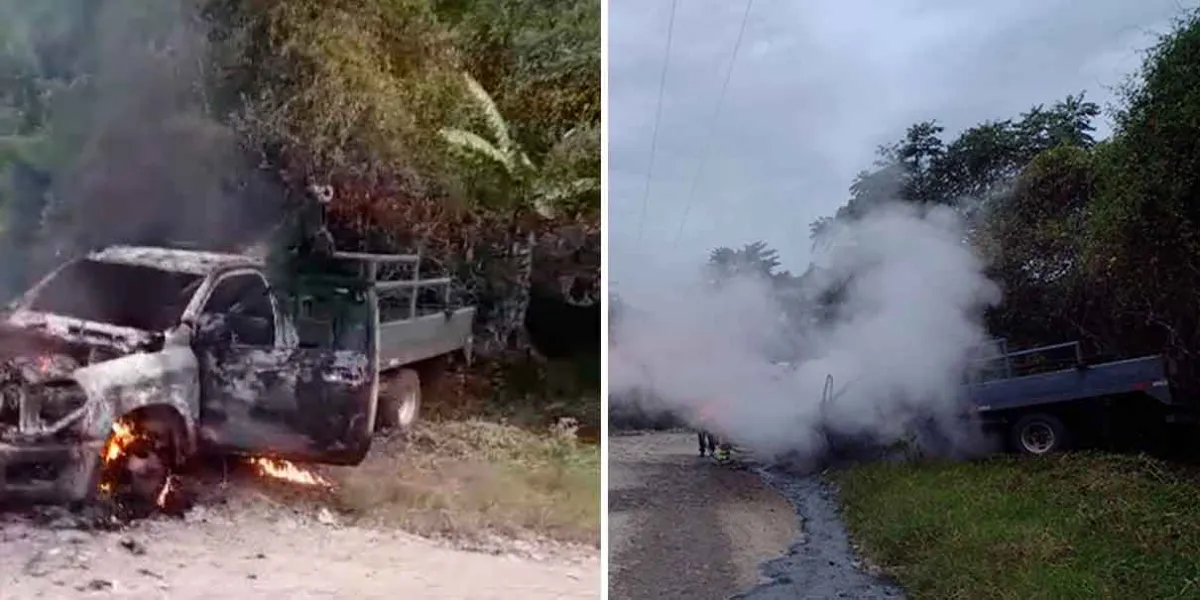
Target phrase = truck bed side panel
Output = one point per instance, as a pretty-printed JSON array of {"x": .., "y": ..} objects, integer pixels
[
  {"x": 408, "y": 341},
  {"x": 1146, "y": 374}
]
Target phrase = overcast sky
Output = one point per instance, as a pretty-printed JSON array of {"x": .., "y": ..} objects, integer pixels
[{"x": 817, "y": 86}]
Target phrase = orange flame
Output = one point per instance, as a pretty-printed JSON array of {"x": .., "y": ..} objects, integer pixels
[
  {"x": 287, "y": 471},
  {"x": 122, "y": 436}
]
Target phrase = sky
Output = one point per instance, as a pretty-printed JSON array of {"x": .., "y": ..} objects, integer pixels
[{"x": 816, "y": 87}]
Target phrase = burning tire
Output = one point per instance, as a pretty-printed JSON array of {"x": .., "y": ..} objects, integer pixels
[
  {"x": 138, "y": 464},
  {"x": 400, "y": 405},
  {"x": 1038, "y": 434},
  {"x": 147, "y": 475}
]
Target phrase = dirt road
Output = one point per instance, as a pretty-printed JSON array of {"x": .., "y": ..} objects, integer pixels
[
  {"x": 681, "y": 527},
  {"x": 259, "y": 551}
]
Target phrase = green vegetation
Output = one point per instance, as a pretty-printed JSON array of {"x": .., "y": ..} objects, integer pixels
[
  {"x": 204, "y": 117},
  {"x": 203, "y": 121},
  {"x": 1070, "y": 526},
  {"x": 467, "y": 130},
  {"x": 1091, "y": 240}
]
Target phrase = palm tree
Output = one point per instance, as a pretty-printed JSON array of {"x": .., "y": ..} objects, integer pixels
[
  {"x": 544, "y": 189},
  {"x": 757, "y": 259}
]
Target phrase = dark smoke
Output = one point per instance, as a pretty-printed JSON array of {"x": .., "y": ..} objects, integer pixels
[{"x": 141, "y": 156}]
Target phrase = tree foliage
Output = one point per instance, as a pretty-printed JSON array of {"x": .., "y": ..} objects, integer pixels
[
  {"x": 1090, "y": 240},
  {"x": 205, "y": 119},
  {"x": 755, "y": 259}
]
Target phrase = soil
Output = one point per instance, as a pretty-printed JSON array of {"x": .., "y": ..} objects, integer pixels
[
  {"x": 684, "y": 527},
  {"x": 255, "y": 547}
]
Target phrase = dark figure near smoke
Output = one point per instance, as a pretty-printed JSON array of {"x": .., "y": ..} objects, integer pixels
[
  {"x": 708, "y": 442},
  {"x": 713, "y": 445}
]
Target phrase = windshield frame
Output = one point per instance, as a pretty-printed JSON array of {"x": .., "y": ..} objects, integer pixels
[{"x": 35, "y": 301}]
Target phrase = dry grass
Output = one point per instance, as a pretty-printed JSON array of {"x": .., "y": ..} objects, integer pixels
[
  {"x": 537, "y": 396},
  {"x": 472, "y": 479}
]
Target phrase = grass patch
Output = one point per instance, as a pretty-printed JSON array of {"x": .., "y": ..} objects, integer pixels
[
  {"x": 1079, "y": 525},
  {"x": 471, "y": 479},
  {"x": 530, "y": 394}
]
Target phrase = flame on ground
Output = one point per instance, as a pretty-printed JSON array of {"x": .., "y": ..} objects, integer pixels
[
  {"x": 125, "y": 434},
  {"x": 287, "y": 471}
]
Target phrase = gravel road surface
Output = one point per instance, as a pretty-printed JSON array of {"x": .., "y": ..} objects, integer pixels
[
  {"x": 259, "y": 551},
  {"x": 683, "y": 527}
]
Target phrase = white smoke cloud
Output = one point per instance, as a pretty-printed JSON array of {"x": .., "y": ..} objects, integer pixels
[{"x": 897, "y": 347}]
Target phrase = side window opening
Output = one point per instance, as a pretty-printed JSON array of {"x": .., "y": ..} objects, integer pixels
[
  {"x": 243, "y": 302},
  {"x": 333, "y": 318}
]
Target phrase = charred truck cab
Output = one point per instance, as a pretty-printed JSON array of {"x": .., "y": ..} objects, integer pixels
[{"x": 197, "y": 353}]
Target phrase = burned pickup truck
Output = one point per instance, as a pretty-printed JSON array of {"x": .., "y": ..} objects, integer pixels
[{"x": 120, "y": 366}]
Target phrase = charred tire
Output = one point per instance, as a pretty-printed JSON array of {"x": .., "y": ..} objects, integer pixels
[
  {"x": 400, "y": 405},
  {"x": 1038, "y": 434},
  {"x": 139, "y": 480},
  {"x": 147, "y": 476}
]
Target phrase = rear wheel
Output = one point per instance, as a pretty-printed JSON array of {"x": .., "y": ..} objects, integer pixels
[
  {"x": 400, "y": 404},
  {"x": 1038, "y": 434}
]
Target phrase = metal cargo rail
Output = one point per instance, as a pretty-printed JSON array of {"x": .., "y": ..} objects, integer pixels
[
  {"x": 417, "y": 319},
  {"x": 1058, "y": 373}
]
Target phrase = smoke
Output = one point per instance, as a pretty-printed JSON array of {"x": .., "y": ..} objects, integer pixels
[
  {"x": 135, "y": 146},
  {"x": 897, "y": 342}
]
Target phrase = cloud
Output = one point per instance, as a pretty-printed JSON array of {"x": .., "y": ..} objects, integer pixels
[{"x": 816, "y": 88}]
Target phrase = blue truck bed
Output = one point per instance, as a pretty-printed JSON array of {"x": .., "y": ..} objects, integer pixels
[{"x": 1012, "y": 390}]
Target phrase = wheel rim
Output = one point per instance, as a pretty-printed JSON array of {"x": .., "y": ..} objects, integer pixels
[
  {"x": 139, "y": 480},
  {"x": 1038, "y": 438},
  {"x": 406, "y": 412},
  {"x": 148, "y": 475}
]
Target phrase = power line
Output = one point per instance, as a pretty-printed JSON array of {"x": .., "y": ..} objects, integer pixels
[
  {"x": 712, "y": 128},
  {"x": 662, "y": 84}
]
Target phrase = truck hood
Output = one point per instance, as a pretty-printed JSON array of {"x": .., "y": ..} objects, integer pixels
[
  {"x": 114, "y": 369},
  {"x": 118, "y": 340}
]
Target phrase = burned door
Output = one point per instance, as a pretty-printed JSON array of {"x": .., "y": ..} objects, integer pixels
[{"x": 263, "y": 397}]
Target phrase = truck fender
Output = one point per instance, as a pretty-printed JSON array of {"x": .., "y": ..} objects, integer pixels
[{"x": 168, "y": 378}]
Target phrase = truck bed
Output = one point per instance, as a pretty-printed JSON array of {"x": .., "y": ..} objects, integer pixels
[
  {"x": 417, "y": 319},
  {"x": 1147, "y": 374},
  {"x": 406, "y": 341}
]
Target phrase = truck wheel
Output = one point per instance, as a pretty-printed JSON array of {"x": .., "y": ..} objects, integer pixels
[
  {"x": 400, "y": 406},
  {"x": 143, "y": 479},
  {"x": 148, "y": 476},
  {"x": 1038, "y": 434},
  {"x": 139, "y": 480}
]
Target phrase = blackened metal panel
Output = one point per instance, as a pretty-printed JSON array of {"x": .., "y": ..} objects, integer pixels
[{"x": 296, "y": 403}]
